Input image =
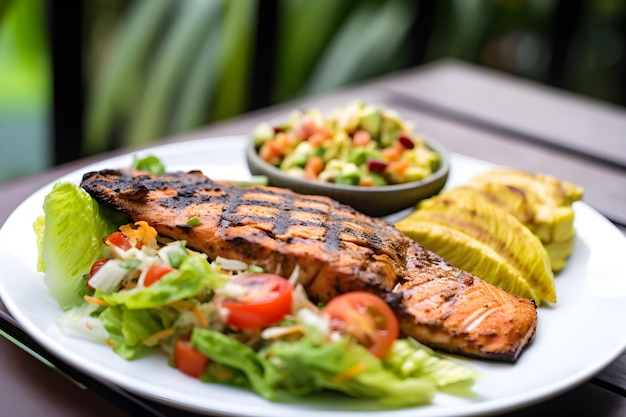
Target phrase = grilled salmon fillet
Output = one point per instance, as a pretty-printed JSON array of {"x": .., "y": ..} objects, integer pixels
[{"x": 336, "y": 249}]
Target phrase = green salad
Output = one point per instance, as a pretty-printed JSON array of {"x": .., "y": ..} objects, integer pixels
[
  {"x": 222, "y": 321},
  {"x": 357, "y": 144}
]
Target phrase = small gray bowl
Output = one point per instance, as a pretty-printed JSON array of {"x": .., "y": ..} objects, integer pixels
[{"x": 374, "y": 201}]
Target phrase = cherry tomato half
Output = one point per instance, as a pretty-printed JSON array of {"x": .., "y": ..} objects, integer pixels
[
  {"x": 265, "y": 301},
  {"x": 187, "y": 359},
  {"x": 367, "y": 317},
  {"x": 95, "y": 268},
  {"x": 155, "y": 273},
  {"x": 120, "y": 240}
]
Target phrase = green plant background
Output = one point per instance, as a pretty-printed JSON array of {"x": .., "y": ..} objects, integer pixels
[{"x": 156, "y": 68}]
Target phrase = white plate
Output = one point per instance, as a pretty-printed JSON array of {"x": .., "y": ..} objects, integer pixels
[{"x": 574, "y": 339}]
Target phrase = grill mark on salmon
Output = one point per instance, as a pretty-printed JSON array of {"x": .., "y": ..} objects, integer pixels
[{"x": 336, "y": 249}]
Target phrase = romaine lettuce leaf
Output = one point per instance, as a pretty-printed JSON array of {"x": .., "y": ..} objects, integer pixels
[{"x": 69, "y": 237}]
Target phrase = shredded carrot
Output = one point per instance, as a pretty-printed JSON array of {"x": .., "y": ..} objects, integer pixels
[
  {"x": 110, "y": 343},
  {"x": 223, "y": 375},
  {"x": 350, "y": 372},
  {"x": 366, "y": 181},
  {"x": 204, "y": 320},
  {"x": 140, "y": 234},
  {"x": 95, "y": 300},
  {"x": 158, "y": 336},
  {"x": 182, "y": 303},
  {"x": 313, "y": 167},
  {"x": 361, "y": 138},
  {"x": 195, "y": 309}
]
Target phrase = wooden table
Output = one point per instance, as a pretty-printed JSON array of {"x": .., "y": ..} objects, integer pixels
[{"x": 470, "y": 110}]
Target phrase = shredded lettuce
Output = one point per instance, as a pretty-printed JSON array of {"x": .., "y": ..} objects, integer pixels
[
  {"x": 128, "y": 328},
  {"x": 81, "y": 322},
  {"x": 263, "y": 376},
  {"x": 194, "y": 276},
  {"x": 69, "y": 236},
  {"x": 305, "y": 367},
  {"x": 349, "y": 368}
]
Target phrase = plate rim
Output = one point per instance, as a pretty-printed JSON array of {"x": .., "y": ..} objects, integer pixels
[{"x": 473, "y": 408}]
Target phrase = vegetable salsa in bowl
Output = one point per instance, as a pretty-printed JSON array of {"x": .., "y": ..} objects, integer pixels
[{"x": 361, "y": 155}]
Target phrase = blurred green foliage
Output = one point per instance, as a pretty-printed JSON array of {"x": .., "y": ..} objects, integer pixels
[
  {"x": 25, "y": 141},
  {"x": 155, "y": 68},
  {"x": 194, "y": 62},
  {"x": 24, "y": 75},
  {"x": 172, "y": 66}
]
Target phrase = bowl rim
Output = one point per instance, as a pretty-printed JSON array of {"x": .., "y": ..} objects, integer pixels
[{"x": 441, "y": 172}]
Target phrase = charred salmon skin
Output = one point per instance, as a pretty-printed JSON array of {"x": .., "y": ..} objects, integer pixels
[{"x": 336, "y": 250}]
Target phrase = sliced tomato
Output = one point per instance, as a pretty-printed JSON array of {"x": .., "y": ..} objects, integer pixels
[
  {"x": 94, "y": 268},
  {"x": 265, "y": 299},
  {"x": 367, "y": 317},
  {"x": 120, "y": 240},
  {"x": 187, "y": 359},
  {"x": 155, "y": 273}
]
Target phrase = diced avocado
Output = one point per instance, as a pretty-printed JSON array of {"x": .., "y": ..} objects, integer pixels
[
  {"x": 319, "y": 152},
  {"x": 350, "y": 170},
  {"x": 371, "y": 121},
  {"x": 378, "y": 179},
  {"x": 392, "y": 122},
  {"x": 387, "y": 139},
  {"x": 359, "y": 156},
  {"x": 339, "y": 142},
  {"x": 262, "y": 133},
  {"x": 390, "y": 126},
  {"x": 298, "y": 157},
  {"x": 346, "y": 180},
  {"x": 332, "y": 169},
  {"x": 416, "y": 173},
  {"x": 350, "y": 175}
]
